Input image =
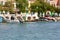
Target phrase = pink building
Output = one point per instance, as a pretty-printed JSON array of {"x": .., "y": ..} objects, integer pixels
[
  {"x": 55, "y": 3},
  {"x": 31, "y": 1},
  {"x": 58, "y": 3}
]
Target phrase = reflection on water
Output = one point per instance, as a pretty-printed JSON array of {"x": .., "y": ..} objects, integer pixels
[{"x": 30, "y": 31}]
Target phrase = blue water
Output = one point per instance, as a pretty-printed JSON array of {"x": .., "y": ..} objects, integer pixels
[
  {"x": 30, "y": 31},
  {"x": 1, "y": 19}
]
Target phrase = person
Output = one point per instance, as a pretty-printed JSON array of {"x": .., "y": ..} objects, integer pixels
[{"x": 47, "y": 15}]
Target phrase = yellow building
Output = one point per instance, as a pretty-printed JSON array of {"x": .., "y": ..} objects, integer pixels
[
  {"x": 12, "y": 7},
  {"x": 6, "y": 0},
  {"x": 3, "y": 1}
]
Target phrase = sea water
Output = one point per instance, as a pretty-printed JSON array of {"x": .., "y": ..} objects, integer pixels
[
  {"x": 1, "y": 19},
  {"x": 30, "y": 31}
]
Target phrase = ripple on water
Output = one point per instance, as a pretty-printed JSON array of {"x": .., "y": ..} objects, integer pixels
[{"x": 30, "y": 31}]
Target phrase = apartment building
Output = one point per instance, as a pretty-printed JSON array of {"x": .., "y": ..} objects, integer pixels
[
  {"x": 31, "y": 1},
  {"x": 3, "y": 1},
  {"x": 58, "y": 3},
  {"x": 53, "y": 2}
]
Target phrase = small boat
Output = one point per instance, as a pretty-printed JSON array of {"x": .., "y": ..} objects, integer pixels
[
  {"x": 51, "y": 18},
  {"x": 14, "y": 20}
]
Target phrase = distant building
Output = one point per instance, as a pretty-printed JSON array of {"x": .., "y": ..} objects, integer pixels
[
  {"x": 58, "y": 3},
  {"x": 31, "y": 1},
  {"x": 3, "y": 1},
  {"x": 55, "y": 3}
]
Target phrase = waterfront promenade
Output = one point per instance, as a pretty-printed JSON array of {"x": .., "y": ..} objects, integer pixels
[{"x": 28, "y": 17}]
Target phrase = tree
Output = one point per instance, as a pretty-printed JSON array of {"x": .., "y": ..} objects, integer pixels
[
  {"x": 41, "y": 6},
  {"x": 8, "y": 6},
  {"x": 21, "y": 5},
  {"x": 0, "y": 7},
  {"x": 57, "y": 10}
]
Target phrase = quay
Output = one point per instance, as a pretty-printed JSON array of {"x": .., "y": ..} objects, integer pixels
[
  {"x": 25, "y": 18},
  {"x": 10, "y": 17}
]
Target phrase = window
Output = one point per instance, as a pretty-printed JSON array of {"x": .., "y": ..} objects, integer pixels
[{"x": 2, "y": 3}]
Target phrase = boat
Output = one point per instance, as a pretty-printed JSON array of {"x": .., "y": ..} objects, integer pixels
[{"x": 13, "y": 20}]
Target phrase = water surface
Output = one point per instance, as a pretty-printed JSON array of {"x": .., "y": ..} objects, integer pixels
[{"x": 30, "y": 31}]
